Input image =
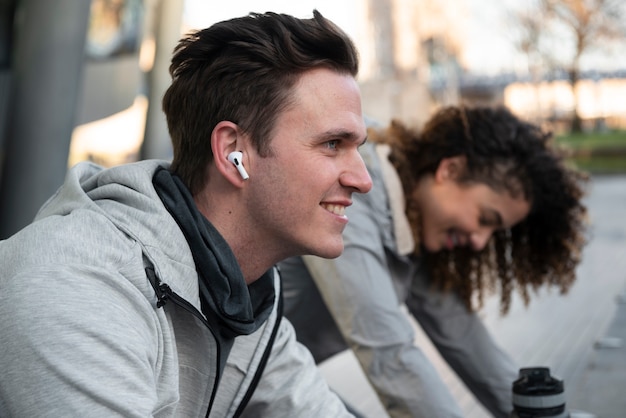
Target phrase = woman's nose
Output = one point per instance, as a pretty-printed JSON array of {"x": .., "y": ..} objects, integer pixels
[{"x": 479, "y": 239}]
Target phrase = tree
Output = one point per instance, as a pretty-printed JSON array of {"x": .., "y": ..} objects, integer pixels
[
  {"x": 591, "y": 23},
  {"x": 527, "y": 28},
  {"x": 578, "y": 27}
]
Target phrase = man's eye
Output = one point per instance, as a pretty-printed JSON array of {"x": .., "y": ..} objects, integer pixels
[{"x": 332, "y": 144}]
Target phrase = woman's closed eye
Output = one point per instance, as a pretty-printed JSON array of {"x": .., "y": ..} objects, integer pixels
[{"x": 491, "y": 220}]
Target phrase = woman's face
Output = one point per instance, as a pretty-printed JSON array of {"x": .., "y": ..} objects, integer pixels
[{"x": 455, "y": 214}]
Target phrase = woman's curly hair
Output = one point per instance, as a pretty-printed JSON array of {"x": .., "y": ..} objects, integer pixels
[{"x": 510, "y": 155}]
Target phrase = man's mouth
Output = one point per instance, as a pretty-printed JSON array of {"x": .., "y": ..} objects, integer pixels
[{"x": 339, "y": 210}]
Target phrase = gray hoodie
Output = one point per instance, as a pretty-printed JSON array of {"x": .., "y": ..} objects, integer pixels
[{"x": 81, "y": 333}]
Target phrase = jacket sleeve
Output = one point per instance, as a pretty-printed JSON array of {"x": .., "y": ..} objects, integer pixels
[
  {"x": 359, "y": 292},
  {"x": 464, "y": 342},
  {"x": 74, "y": 343},
  {"x": 292, "y": 385}
]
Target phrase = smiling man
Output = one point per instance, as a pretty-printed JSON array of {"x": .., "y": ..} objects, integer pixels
[{"x": 149, "y": 289}]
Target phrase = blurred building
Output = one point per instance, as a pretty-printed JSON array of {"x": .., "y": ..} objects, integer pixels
[
  {"x": 600, "y": 101},
  {"x": 71, "y": 77},
  {"x": 410, "y": 65},
  {"x": 409, "y": 57},
  {"x": 112, "y": 87}
]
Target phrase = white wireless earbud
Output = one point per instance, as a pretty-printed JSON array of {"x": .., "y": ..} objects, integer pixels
[{"x": 236, "y": 157}]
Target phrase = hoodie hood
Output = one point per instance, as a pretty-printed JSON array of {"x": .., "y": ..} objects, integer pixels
[{"x": 125, "y": 196}]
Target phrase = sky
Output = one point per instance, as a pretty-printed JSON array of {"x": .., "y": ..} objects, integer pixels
[
  {"x": 202, "y": 13},
  {"x": 490, "y": 49},
  {"x": 491, "y": 46}
]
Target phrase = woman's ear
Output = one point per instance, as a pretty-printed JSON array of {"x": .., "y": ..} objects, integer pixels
[{"x": 450, "y": 168}]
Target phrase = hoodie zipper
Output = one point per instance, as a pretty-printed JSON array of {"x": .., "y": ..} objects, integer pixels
[
  {"x": 263, "y": 362},
  {"x": 164, "y": 293}
]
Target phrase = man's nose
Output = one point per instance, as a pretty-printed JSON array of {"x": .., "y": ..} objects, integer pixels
[{"x": 356, "y": 175}]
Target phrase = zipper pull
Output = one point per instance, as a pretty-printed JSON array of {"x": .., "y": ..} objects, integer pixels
[
  {"x": 165, "y": 292},
  {"x": 162, "y": 290}
]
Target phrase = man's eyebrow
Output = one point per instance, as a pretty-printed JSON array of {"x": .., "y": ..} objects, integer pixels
[{"x": 343, "y": 134}]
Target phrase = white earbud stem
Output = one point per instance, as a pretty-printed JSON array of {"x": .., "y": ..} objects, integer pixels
[{"x": 236, "y": 157}]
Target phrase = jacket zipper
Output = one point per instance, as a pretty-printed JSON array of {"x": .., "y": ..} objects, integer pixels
[
  {"x": 165, "y": 293},
  {"x": 263, "y": 362}
]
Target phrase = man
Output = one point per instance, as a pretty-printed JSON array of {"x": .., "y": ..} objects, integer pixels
[{"x": 149, "y": 289}]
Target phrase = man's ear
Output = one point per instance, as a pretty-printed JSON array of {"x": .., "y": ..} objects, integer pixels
[
  {"x": 225, "y": 139},
  {"x": 450, "y": 168}
]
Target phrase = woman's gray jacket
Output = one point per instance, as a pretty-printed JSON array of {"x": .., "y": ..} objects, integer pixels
[
  {"x": 356, "y": 299},
  {"x": 81, "y": 333}
]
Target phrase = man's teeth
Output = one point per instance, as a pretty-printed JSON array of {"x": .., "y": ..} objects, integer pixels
[{"x": 339, "y": 210}]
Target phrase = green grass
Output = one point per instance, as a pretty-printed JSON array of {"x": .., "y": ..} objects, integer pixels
[
  {"x": 597, "y": 152},
  {"x": 594, "y": 139}
]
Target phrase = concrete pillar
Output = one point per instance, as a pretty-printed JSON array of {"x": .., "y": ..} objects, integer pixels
[
  {"x": 47, "y": 63},
  {"x": 167, "y": 32}
]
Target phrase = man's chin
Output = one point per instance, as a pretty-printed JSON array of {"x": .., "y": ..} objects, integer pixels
[{"x": 330, "y": 251}]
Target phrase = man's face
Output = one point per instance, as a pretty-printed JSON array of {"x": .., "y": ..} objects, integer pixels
[{"x": 303, "y": 187}]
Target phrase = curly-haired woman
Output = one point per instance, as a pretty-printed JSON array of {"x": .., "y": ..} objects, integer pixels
[{"x": 477, "y": 201}]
